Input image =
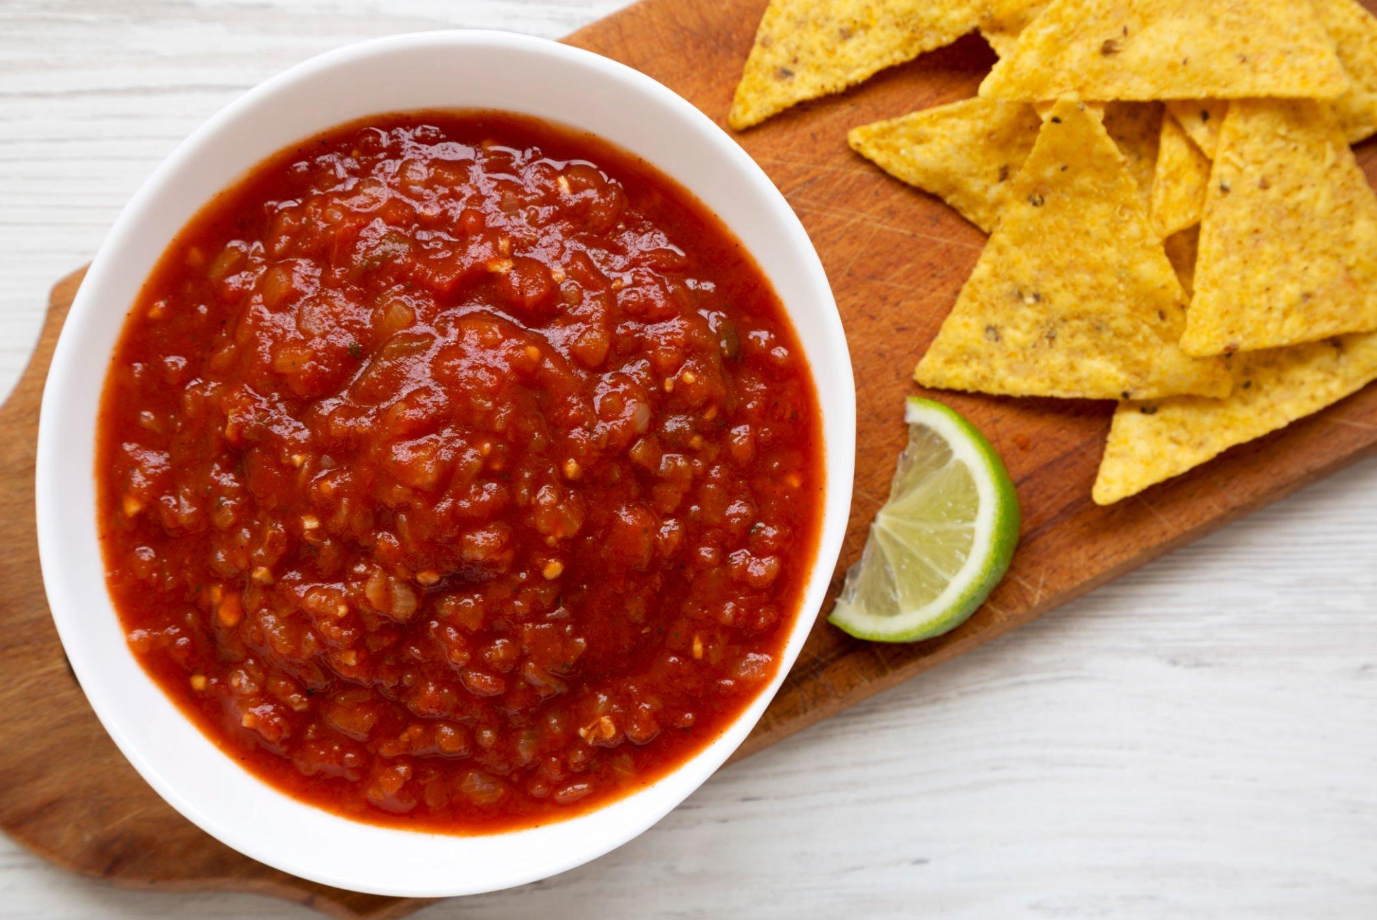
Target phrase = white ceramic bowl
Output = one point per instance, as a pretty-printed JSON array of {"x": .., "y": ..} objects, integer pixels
[{"x": 430, "y": 70}]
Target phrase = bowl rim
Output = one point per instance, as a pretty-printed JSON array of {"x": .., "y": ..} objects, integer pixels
[{"x": 838, "y": 460}]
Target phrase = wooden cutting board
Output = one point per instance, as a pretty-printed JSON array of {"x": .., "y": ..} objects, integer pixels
[{"x": 896, "y": 258}]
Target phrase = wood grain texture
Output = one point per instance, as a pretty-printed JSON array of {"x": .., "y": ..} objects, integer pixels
[{"x": 922, "y": 255}]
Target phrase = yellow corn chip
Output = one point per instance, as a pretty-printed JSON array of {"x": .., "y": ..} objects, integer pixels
[
  {"x": 1354, "y": 31},
  {"x": 1288, "y": 240},
  {"x": 1170, "y": 49},
  {"x": 1153, "y": 441},
  {"x": 1200, "y": 118},
  {"x": 1073, "y": 295},
  {"x": 810, "y": 48},
  {"x": 965, "y": 152},
  {"x": 1178, "y": 186},
  {"x": 1181, "y": 250},
  {"x": 1003, "y": 20}
]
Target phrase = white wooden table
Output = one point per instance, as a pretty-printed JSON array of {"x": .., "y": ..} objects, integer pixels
[{"x": 1196, "y": 740}]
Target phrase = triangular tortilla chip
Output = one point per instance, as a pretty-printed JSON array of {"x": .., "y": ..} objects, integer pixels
[
  {"x": 1354, "y": 31},
  {"x": 1288, "y": 240},
  {"x": 810, "y": 48},
  {"x": 1170, "y": 49},
  {"x": 1178, "y": 186},
  {"x": 1200, "y": 118},
  {"x": 1153, "y": 441},
  {"x": 1003, "y": 20},
  {"x": 966, "y": 153},
  {"x": 1073, "y": 295}
]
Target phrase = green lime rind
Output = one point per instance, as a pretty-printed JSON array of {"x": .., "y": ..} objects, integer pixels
[{"x": 899, "y": 529}]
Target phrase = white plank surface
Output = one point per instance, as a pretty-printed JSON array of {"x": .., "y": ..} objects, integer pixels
[{"x": 1197, "y": 740}]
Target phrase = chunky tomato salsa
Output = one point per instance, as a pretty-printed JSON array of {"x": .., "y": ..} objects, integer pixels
[{"x": 458, "y": 472}]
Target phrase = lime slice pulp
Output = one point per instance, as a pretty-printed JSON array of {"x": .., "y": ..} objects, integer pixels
[{"x": 942, "y": 541}]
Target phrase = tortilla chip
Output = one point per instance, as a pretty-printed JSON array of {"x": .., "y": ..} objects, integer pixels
[
  {"x": 1181, "y": 251},
  {"x": 1170, "y": 49},
  {"x": 1200, "y": 119},
  {"x": 1004, "y": 20},
  {"x": 1073, "y": 295},
  {"x": 810, "y": 48},
  {"x": 1178, "y": 187},
  {"x": 1354, "y": 31},
  {"x": 965, "y": 152},
  {"x": 1288, "y": 241},
  {"x": 1153, "y": 441}
]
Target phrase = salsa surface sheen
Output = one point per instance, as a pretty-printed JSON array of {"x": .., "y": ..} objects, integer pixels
[{"x": 458, "y": 472}]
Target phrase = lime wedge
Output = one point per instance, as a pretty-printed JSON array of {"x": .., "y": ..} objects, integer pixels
[{"x": 942, "y": 541}]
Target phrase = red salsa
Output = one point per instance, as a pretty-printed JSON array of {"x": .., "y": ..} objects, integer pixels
[{"x": 458, "y": 472}]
